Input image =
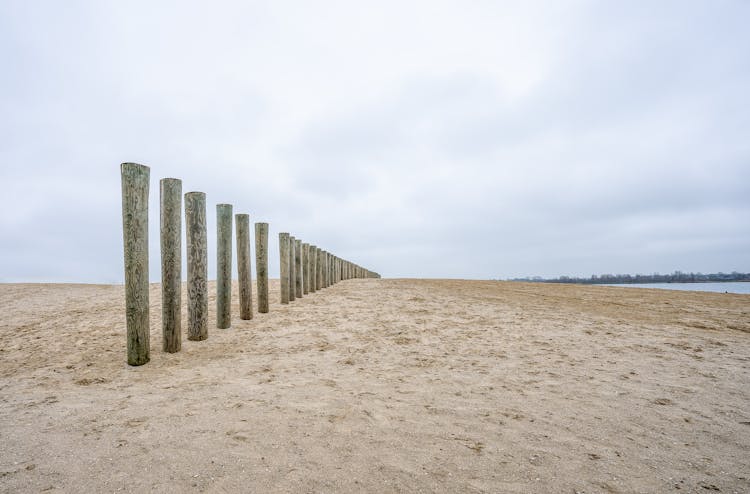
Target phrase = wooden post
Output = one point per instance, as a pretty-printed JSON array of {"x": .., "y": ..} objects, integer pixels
[
  {"x": 305, "y": 269},
  {"x": 135, "y": 183},
  {"x": 197, "y": 265},
  {"x": 322, "y": 269},
  {"x": 325, "y": 270},
  {"x": 313, "y": 270},
  {"x": 284, "y": 266},
  {"x": 292, "y": 292},
  {"x": 328, "y": 269},
  {"x": 261, "y": 265},
  {"x": 244, "y": 270},
  {"x": 223, "y": 266},
  {"x": 298, "y": 268},
  {"x": 170, "y": 195},
  {"x": 318, "y": 276}
]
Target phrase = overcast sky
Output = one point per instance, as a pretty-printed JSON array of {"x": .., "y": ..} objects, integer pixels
[{"x": 472, "y": 139}]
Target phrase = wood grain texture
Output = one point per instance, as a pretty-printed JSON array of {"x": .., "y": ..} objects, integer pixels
[
  {"x": 261, "y": 265},
  {"x": 298, "y": 268},
  {"x": 197, "y": 265},
  {"x": 170, "y": 196},
  {"x": 244, "y": 270},
  {"x": 284, "y": 266},
  {"x": 135, "y": 185},
  {"x": 223, "y": 266}
]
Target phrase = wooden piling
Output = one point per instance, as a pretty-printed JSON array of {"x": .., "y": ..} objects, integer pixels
[
  {"x": 223, "y": 266},
  {"x": 244, "y": 269},
  {"x": 284, "y": 266},
  {"x": 292, "y": 248},
  {"x": 170, "y": 195},
  {"x": 298, "y": 268},
  {"x": 135, "y": 184},
  {"x": 305, "y": 269},
  {"x": 321, "y": 281},
  {"x": 261, "y": 265},
  {"x": 197, "y": 265},
  {"x": 313, "y": 269}
]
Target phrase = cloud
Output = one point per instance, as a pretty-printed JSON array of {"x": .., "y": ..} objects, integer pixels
[{"x": 425, "y": 139}]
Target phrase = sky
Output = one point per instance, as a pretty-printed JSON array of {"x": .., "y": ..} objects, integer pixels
[{"x": 429, "y": 139}]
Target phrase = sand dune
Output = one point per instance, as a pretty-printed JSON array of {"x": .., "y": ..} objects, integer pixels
[{"x": 383, "y": 386}]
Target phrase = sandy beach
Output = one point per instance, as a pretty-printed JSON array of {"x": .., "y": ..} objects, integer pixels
[{"x": 382, "y": 386}]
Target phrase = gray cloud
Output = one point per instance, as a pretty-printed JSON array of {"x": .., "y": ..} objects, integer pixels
[{"x": 429, "y": 139}]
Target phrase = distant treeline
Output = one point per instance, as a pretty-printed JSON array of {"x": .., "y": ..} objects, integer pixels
[{"x": 676, "y": 277}]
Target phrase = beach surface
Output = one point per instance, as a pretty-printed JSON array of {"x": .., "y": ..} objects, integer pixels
[{"x": 382, "y": 386}]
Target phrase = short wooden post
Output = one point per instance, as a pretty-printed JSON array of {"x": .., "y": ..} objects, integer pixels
[
  {"x": 305, "y": 269},
  {"x": 284, "y": 266},
  {"x": 197, "y": 265},
  {"x": 170, "y": 196},
  {"x": 244, "y": 270},
  {"x": 292, "y": 292},
  {"x": 135, "y": 184},
  {"x": 298, "y": 268},
  {"x": 223, "y": 266},
  {"x": 261, "y": 265}
]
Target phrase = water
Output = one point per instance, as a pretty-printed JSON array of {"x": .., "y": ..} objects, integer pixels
[{"x": 729, "y": 286}]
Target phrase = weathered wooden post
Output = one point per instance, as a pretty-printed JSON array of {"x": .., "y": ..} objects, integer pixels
[
  {"x": 292, "y": 244},
  {"x": 320, "y": 269},
  {"x": 313, "y": 271},
  {"x": 223, "y": 266},
  {"x": 328, "y": 269},
  {"x": 197, "y": 265},
  {"x": 135, "y": 183},
  {"x": 284, "y": 266},
  {"x": 305, "y": 269},
  {"x": 170, "y": 196},
  {"x": 244, "y": 270},
  {"x": 261, "y": 265},
  {"x": 298, "y": 268}
]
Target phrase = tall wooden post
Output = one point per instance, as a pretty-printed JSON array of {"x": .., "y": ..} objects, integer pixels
[
  {"x": 325, "y": 269},
  {"x": 313, "y": 271},
  {"x": 197, "y": 265},
  {"x": 223, "y": 266},
  {"x": 261, "y": 265},
  {"x": 298, "y": 268},
  {"x": 321, "y": 280},
  {"x": 135, "y": 183},
  {"x": 244, "y": 270},
  {"x": 284, "y": 266},
  {"x": 305, "y": 269},
  {"x": 170, "y": 195},
  {"x": 292, "y": 245},
  {"x": 328, "y": 269}
]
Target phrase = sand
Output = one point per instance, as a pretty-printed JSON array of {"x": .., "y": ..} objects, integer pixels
[{"x": 383, "y": 386}]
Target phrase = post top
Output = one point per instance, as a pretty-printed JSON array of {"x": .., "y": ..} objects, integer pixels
[
  {"x": 171, "y": 179},
  {"x": 134, "y": 166},
  {"x": 195, "y": 193}
]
